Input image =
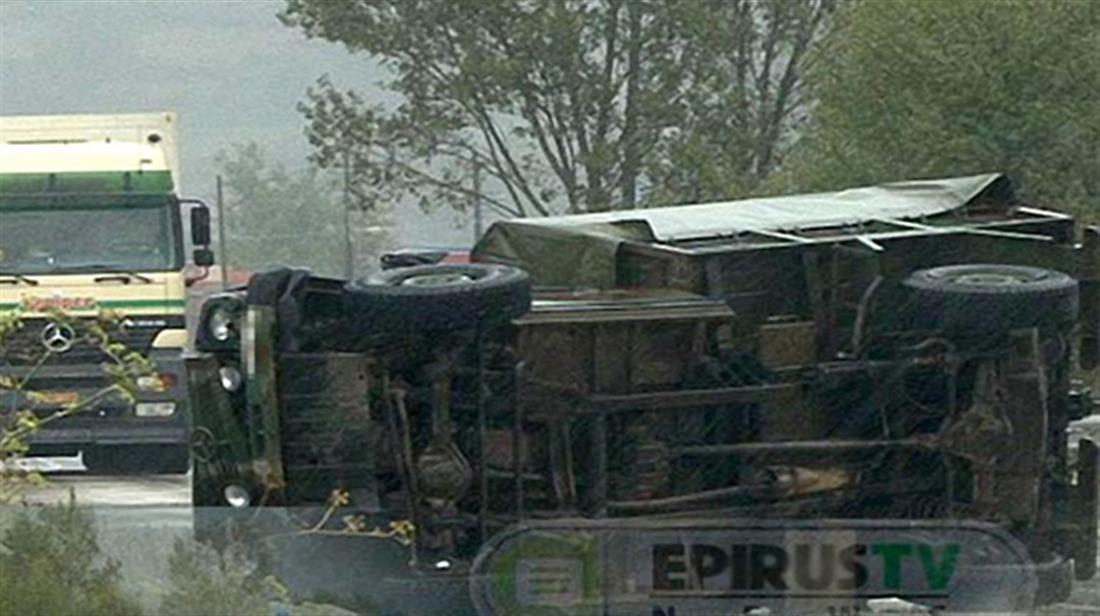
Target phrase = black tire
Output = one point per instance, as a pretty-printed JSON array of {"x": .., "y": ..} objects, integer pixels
[
  {"x": 982, "y": 299},
  {"x": 137, "y": 459},
  {"x": 438, "y": 297}
]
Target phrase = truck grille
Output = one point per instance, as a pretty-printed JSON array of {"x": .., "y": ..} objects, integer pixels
[{"x": 24, "y": 347}]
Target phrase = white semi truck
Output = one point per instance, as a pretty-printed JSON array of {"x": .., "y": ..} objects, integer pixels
[{"x": 90, "y": 221}]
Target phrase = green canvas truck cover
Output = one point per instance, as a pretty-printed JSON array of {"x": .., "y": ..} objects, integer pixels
[{"x": 581, "y": 249}]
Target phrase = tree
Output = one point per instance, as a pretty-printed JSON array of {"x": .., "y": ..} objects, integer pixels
[
  {"x": 561, "y": 105},
  {"x": 275, "y": 217},
  {"x": 934, "y": 89}
]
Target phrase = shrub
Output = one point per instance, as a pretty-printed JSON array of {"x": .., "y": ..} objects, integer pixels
[{"x": 51, "y": 563}]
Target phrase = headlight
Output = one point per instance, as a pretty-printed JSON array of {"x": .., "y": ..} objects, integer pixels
[
  {"x": 221, "y": 324},
  {"x": 230, "y": 378},
  {"x": 237, "y": 496}
]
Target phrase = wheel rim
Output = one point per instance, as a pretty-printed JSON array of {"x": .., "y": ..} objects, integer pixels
[
  {"x": 993, "y": 279},
  {"x": 436, "y": 280}
]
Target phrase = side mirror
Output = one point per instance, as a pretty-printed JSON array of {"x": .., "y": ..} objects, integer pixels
[
  {"x": 203, "y": 257},
  {"x": 200, "y": 226}
]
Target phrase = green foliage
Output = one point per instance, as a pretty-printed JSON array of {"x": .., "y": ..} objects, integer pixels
[
  {"x": 51, "y": 563},
  {"x": 539, "y": 107},
  {"x": 936, "y": 88},
  {"x": 202, "y": 581},
  {"x": 277, "y": 217}
]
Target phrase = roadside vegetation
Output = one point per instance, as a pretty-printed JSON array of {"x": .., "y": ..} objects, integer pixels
[
  {"x": 936, "y": 89},
  {"x": 542, "y": 108},
  {"x": 537, "y": 108},
  {"x": 51, "y": 563},
  {"x": 55, "y": 558},
  {"x": 552, "y": 107},
  {"x": 50, "y": 557},
  {"x": 279, "y": 216}
]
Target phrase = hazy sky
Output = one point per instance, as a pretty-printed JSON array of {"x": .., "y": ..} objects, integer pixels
[{"x": 231, "y": 70}]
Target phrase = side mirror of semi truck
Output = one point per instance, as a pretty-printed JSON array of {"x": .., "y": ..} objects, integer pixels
[
  {"x": 200, "y": 226},
  {"x": 203, "y": 257}
]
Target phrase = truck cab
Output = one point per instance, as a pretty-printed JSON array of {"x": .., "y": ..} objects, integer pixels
[{"x": 91, "y": 224}]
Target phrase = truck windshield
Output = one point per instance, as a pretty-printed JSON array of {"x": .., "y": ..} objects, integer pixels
[{"x": 56, "y": 241}]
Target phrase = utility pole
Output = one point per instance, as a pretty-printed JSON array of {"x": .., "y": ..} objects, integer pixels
[
  {"x": 224, "y": 256},
  {"x": 477, "y": 201},
  {"x": 349, "y": 265}
]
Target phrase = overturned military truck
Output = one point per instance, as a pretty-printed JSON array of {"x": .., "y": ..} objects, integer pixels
[{"x": 802, "y": 404}]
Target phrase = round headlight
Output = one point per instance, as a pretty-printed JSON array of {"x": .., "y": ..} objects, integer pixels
[
  {"x": 230, "y": 378},
  {"x": 221, "y": 324},
  {"x": 237, "y": 496}
]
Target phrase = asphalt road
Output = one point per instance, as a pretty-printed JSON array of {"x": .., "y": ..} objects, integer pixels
[{"x": 67, "y": 476}]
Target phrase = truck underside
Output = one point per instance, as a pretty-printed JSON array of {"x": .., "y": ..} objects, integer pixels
[{"x": 845, "y": 375}]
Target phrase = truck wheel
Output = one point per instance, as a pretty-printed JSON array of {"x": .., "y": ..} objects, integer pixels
[
  {"x": 438, "y": 297},
  {"x": 982, "y": 299},
  {"x": 137, "y": 459}
]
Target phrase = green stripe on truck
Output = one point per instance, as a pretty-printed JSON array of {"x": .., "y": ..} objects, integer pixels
[
  {"x": 120, "y": 304},
  {"x": 13, "y": 185}
]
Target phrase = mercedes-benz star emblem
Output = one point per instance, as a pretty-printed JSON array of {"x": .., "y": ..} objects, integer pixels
[{"x": 58, "y": 337}]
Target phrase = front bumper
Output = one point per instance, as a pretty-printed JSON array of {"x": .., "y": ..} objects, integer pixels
[
  {"x": 111, "y": 435},
  {"x": 113, "y": 422}
]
